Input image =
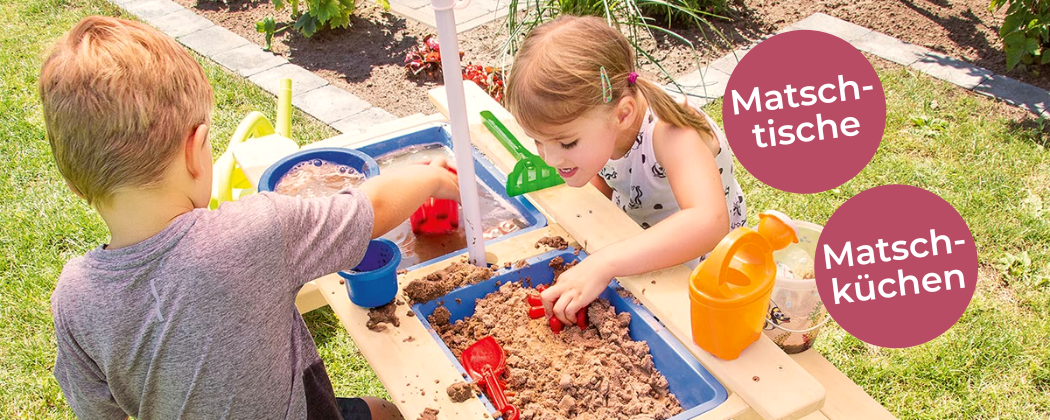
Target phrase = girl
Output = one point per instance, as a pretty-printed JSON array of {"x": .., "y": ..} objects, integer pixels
[{"x": 574, "y": 90}]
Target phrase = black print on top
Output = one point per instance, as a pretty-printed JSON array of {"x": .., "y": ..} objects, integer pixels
[
  {"x": 636, "y": 200},
  {"x": 658, "y": 171},
  {"x": 720, "y": 171},
  {"x": 608, "y": 173},
  {"x": 727, "y": 191},
  {"x": 643, "y": 157},
  {"x": 736, "y": 206},
  {"x": 658, "y": 206},
  {"x": 651, "y": 117},
  {"x": 637, "y": 141},
  {"x": 645, "y": 225}
]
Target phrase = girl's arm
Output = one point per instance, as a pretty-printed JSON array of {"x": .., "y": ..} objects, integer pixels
[
  {"x": 599, "y": 183},
  {"x": 695, "y": 230}
]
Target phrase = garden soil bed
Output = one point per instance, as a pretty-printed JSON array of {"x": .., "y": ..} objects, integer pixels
[{"x": 367, "y": 59}]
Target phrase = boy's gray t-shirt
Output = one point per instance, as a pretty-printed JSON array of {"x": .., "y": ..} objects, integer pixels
[{"x": 199, "y": 321}]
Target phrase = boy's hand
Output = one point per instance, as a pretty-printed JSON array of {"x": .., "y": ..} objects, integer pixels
[
  {"x": 447, "y": 179},
  {"x": 576, "y": 288}
]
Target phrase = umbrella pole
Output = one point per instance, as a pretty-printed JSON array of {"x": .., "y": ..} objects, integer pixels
[{"x": 457, "y": 106}]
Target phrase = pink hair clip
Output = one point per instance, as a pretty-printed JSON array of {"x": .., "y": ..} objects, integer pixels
[{"x": 632, "y": 78}]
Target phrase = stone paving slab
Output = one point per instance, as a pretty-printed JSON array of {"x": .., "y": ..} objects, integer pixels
[
  {"x": 890, "y": 48},
  {"x": 711, "y": 84},
  {"x": 823, "y": 23},
  {"x": 180, "y": 23},
  {"x": 329, "y": 104},
  {"x": 248, "y": 60},
  {"x": 729, "y": 62},
  {"x": 147, "y": 9},
  {"x": 1015, "y": 93},
  {"x": 477, "y": 13},
  {"x": 363, "y": 120},
  {"x": 951, "y": 70},
  {"x": 302, "y": 80},
  {"x": 212, "y": 41}
]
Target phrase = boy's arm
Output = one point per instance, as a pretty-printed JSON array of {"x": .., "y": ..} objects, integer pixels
[
  {"x": 324, "y": 235},
  {"x": 397, "y": 195},
  {"x": 80, "y": 379}
]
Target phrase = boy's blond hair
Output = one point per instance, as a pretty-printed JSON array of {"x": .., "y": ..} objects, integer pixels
[
  {"x": 556, "y": 76},
  {"x": 119, "y": 98}
]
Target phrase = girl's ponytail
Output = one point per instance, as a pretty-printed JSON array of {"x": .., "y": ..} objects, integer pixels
[{"x": 674, "y": 113}]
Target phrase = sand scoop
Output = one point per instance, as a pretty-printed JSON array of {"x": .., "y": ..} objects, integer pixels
[{"x": 531, "y": 173}]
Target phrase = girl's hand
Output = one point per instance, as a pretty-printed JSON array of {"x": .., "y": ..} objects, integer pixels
[{"x": 575, "y": 289}]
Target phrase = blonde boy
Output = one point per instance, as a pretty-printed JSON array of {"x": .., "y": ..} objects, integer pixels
[{"x": 190, "y": 313}]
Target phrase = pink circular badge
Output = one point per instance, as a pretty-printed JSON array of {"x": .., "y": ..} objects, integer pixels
[
  {"x": 804, "y": 111},
  {"x": 896, "y": 266}
]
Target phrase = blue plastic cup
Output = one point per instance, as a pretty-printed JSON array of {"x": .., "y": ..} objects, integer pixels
[{"x": 374, "y": 281}]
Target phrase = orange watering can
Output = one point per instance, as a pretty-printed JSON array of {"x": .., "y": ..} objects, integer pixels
[{"x": 729, "y": 292}]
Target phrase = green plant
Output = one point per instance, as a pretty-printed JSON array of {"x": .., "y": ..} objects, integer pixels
[
  {"x": 626, "y": 15},
  {"x": 268, "y": 26},
  {"x": 1025, "y": 31},
  {"x": 1019, "y": 268},
  {"x": 319, "y": 13},
  {"x": 669, "y": 14}
]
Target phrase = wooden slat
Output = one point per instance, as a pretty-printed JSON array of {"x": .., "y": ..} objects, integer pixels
[
  {"x": 763, "y": 376},
  {"x": 734, "y": 408},
  {"x": 845, "y": 399},
  {"x": 309, "y": 298},
  {"x": 409, "y": 369}
]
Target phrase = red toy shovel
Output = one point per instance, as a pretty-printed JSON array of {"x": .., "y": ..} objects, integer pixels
[{"x": 483, "y": 361}]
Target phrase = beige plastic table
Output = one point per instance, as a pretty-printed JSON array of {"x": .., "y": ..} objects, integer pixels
[{"x": 763, "y": 383}]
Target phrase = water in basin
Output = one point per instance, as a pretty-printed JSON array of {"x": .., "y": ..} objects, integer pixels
[{"x": 498, "y": 217}]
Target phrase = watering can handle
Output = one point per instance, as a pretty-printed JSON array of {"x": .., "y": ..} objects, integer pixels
[
  {"x": 738, "y": 238},
  {"x": 504, "y": 136}
]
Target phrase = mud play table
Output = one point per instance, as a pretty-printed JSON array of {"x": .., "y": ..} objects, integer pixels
[{"x": 763, "y": 383}]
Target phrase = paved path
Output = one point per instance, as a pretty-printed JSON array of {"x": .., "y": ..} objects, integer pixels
[
  {"x": 476, "y": 13},
  {"x": 349, "y": 114},
  {"x": 709, "y": 82}
]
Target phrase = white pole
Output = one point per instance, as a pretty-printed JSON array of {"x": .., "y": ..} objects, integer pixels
[{"x": 457, "y": 109}]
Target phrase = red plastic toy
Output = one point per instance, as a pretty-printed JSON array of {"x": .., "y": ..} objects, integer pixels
[{"x": 436, "y": 216}]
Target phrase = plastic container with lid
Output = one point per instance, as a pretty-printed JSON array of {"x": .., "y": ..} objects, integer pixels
[{"x": 729, "y": 292}]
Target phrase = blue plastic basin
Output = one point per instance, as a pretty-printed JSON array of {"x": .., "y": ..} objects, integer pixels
[
  {"x": 374, "y": 281},
  {"x": 695, "y": 387},
  {"x": 440, "y": 134},
  {"x": 340, "y": 156}
]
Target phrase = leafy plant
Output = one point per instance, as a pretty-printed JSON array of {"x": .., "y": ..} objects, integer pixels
[
  {"x": 927, "y": 126},
  {"x": 489, "y": 79},
  {"x": 673, "y": 17},
  {"x": 627, "y": 15},
  {"x": 426, "y": 59},
  {"x": 1019, "y": 268},
  {"x": 1025, "y": 31},
  {"x": 318, "y": 15},
  {"x": 269, "y": 27}
]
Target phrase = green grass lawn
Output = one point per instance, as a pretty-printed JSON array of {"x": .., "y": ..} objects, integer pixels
[{"x": 995, "y": 363}]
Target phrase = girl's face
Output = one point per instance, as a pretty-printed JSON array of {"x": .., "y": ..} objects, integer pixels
[{"x": 579, "y": 149}]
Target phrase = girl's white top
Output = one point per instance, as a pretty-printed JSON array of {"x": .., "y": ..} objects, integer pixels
[{"x": 641, "y": 189}]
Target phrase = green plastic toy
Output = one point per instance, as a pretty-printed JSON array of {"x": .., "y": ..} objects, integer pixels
[{"x": 531, "y": 173}]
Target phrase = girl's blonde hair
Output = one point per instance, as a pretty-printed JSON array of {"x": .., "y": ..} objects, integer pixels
[{"x": 556, "y": 77}]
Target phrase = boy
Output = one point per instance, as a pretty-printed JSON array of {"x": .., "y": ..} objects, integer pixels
[{"x": 189, "y": 313}]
